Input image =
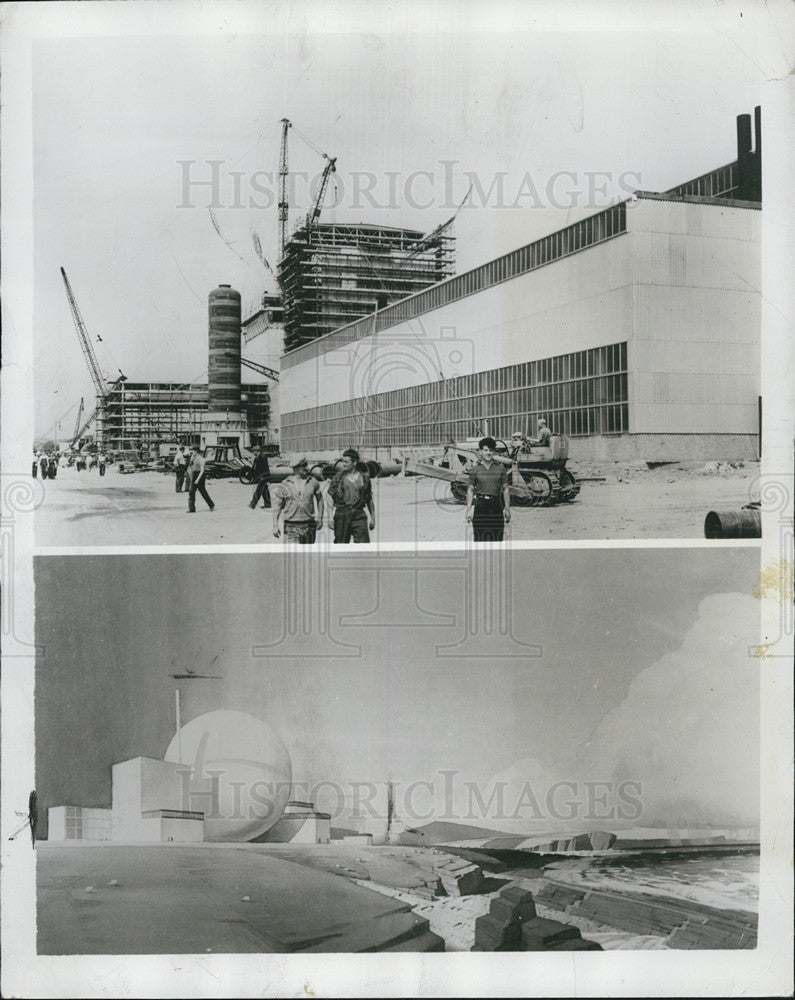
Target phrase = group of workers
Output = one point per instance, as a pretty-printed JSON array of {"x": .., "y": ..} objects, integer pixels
[
  {"x": 302, "y": 507},
  {"x": 302, "y": 503},
  {"x": 44, "y": 465},
  {"x": 305, "y": 501}
]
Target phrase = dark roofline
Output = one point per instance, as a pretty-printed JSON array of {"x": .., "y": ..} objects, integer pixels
[{"x": 696, "y": 199}]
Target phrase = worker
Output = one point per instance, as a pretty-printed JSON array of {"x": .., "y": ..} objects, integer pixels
[
  {"x": 180, "y": 464},
  {"x": 351, "y": 493},
  {"x": 518, "y": 441},
  {"x": 261, "y": 475},
  {"x": 198, "y": 478},
  {"x": 488, "y": 495},
  {"x": 102, "y": 461},
  {"x": 35, "y": 465},
  {"x": 543, "y": 434},
  {"x": 299, "y": 506}
]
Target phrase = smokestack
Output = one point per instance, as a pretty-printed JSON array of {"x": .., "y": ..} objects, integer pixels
[
  {"x": 223, "y": 370},
  {"x": 749, "y": 160}
]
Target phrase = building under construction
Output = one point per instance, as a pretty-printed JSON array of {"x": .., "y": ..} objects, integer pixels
[
  {"x": 144, "y": 415},
  {"x": 635, "y": 329},
  {"x": 332, "y": 274}
]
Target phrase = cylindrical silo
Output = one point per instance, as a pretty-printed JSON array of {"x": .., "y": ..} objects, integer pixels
[{"x": 223, "y": 371}]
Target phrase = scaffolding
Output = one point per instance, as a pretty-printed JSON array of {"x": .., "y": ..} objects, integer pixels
[
  {"x": 141, "y": 416},
  {"x": 332, "y": 274}
]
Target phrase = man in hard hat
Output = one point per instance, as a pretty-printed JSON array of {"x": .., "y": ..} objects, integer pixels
[
  {"x": 299, "y": 505},
  {"x": 543, "y": 434}
]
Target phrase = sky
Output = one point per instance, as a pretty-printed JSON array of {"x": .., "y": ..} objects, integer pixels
[
  {"x": 115, "y": 117},
  {"x": 644, "y": 674}
]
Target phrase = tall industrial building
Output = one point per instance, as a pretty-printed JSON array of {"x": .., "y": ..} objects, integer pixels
[
  {"x": 144, "y": 415},
  {"x": 332, "y": 274},
  {"x": 636, "y": 331}
]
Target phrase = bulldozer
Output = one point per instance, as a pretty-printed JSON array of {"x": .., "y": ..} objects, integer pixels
[{"x": 539, "y": 477}]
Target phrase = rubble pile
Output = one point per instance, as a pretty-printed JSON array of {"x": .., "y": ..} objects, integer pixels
[{"x": 512, "y": 924}]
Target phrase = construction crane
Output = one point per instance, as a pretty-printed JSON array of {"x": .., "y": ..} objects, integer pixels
[
  {"x": 100, "y": 382},
  {"x": 317, "y": 208},
  {"x": 432, "y": 238},
  {"x": 79, "y": 420},
  {"x": 283, "y": 206},
  {"x": 255, "y": 366}
]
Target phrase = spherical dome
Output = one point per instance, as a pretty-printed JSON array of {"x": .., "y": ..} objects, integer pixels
[{"x": 242, "y": 773}]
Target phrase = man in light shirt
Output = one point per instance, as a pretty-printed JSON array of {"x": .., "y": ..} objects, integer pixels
[{"x": 298, "y": 506}]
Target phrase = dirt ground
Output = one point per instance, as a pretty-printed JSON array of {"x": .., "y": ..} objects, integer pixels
[{"x": 82, "y": 509}]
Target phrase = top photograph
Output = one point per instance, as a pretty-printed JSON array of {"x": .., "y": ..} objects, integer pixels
[{"x": 400, "y": 288}]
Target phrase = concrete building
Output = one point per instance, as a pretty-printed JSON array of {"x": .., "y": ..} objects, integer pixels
[
  {"x": 78, "y": 823},
  {"x": 636, "y": 331},
  {"x": 300, "y": 824}
]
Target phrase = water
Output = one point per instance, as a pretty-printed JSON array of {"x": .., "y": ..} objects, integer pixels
[{"x": 726, "y": 881}]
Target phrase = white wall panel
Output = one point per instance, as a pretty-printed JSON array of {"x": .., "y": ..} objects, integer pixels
[{"x": 695, "y": 354}]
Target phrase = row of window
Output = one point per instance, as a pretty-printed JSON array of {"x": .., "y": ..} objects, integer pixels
[
  {"x": 588, "y": 232},
  {"x": 716, "y": 184},
  {"x": 466, "y": 406},
  {"x": 612, "y": 419}
]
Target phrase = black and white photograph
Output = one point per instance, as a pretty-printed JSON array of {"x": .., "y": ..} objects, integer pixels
[
  {"x": 377, "y": 267},
  {"x": 396, "y": 491},
  {"x": 214, "y": 775}
]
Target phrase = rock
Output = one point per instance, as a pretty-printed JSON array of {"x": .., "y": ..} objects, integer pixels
[
  {"x": 540, "y": 934},
  {"x": 113, "y": 881},
  {"x": 245, "y": 899}
]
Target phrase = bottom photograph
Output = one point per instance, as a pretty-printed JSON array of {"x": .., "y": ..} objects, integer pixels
[{"x": 508, "y": 750}]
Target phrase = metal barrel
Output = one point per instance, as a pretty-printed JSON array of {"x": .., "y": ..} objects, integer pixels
[
  {"x": 742, "y": 523},
  {"x": 223, "y": 369}
]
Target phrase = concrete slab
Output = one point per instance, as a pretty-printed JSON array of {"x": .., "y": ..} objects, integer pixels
[{"x": 173, "y": 899}]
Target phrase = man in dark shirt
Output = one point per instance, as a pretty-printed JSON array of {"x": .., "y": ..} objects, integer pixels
[
  {"x": 351, "y": 493},
  {"x": 488, "y": 495},
  {"x": 261, "y": 475},
  {"x": 197, "y": 470}
]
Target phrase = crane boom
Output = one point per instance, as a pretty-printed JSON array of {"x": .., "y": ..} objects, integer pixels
[
  {"x": 79, "y": 420},
  {"x": 317, "y": 208},
  {"x": 255, "y": 366},
  {"x": 283, "y": 205},
  {"x": 100, "y": 383}
]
